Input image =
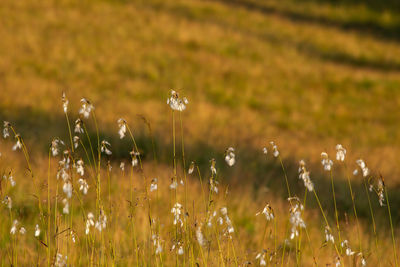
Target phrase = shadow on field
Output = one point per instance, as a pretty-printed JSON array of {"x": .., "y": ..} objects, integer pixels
[
  {"x": 38, "y": 128},
  {"x": 331, "y": 54},
  {"x": 381, "y": 6},
  {"x": 387, "y": 31},
  {"x": 340, "y": 57}
]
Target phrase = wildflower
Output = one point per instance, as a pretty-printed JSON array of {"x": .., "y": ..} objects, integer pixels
[
  {"x": 86, "y": 108},
  {"x": 199, "y": 236},
  {"x": 363, "y": 261},
  {"x": 214, "y": 185},
  {"x": 191, "y": 168},
  {"x": 340, "y": 152},
  {"x": 134, "y": 156},
  {"x": 79, "y": 167},
  {"x": 328, "y": 235},
  {"x": 345, "y": 244},
  {"x": 153, "y": 185},
  {"x": 380, "y": 191},
  {"x": 122, "y": 166},
  {"x": 302, "y": 165},
  {"x": 104, "y": 147},
  {"x": 66, "y": 206},
  {"x": 101, "y": 222},
  {"x": 11, "y": 179},
  {"x": 157, "y": 243},
  {"x": 305, "y": 176},
  {"x": 8, "y": 202},
  {"x": 22, "y": 230},
  {"x": 261, "y": 257},
  {"x": 212, "y": 167},
  {"x": 54, "y": 146},
  {"x": 229, "y": 229},
  {"x": 174, "y": 184},
  {"x": 268, "y": 212},
  {"x": 78, "y": 126},
  {"x": 122, "y": 128},
  {"x": 76, "y": 141},
  {"x": 210, "y": 217},
  {"x": 363, "y": 167},
  {"x": 265, "y": 151},
  {"x": 84, "y": 187},
  {"x": 61, "y": 261},
  {"x": 337, "y": 262},
  {"x": 6, "y": 132},
  {"x": 177, "y": 212},
  {"x": 177, "y": 103},
  {"x": 178, "y": 246},
  {"x": 65, "y": 102},
  {"x": 326, "y": 162},
  {"x": 66, "y": 161},
  {"x": 73, "y": 237},
  {"x": 13, "y": 230},
  {"x": 62, "y": 172},
  {"x": 230, "y": 156},
  {"x": 67, "y": 188},
  {"x": 37, "y": 230},
  {"x": 89, "y": 222},
  {"x": 296, "y": 220},
  {"x": 274, "y": 149},
  {"x": 180, "y": 250},
  {"x": 17, "y": 145}
]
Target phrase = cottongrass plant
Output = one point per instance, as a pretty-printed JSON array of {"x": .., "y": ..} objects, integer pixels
[{"x": 92, "y": 213}]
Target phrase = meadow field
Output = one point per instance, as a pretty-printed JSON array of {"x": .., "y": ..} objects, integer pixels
[{"x": 306, "y": 76}]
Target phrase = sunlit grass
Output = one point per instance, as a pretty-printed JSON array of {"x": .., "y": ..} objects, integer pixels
[
  {"x": 142, "y": 213},
  {"x": 278, "y": 72}
]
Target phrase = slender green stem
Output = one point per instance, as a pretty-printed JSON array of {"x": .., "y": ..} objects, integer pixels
[
  {"x": 174, "y": 142},
  {"x": 298, "y": 252},
  {"x": 69, "y": 131},
  {"x": 275, "y": 244},
  {"x": 326, "y": 221},
  {"x": 144, "y": 180},
  {"x": 48, "y": 213},
  {"x": 354, "y": 209},
  {"x": 90, "y": 144},
  {"x": 373, "y": 219},
  {"x": 234, "y": 252},
  {"x": 284, "y": 242},
  {"x": 187, "y": 233},
  {"x": 286, "y": 178},
  {"x": 336, "y": 211},
  {"x": 391, "y": 227},
  {"x": 132, "y": 220},
  {"x": 219, "y": 247},
  {"x": 202, "y": 187}
]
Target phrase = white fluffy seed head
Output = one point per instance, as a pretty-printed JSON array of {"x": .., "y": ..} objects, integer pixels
[{"x": 37, "y": 230}]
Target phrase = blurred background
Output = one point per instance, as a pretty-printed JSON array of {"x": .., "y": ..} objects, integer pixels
[{"x": 306, "y": 74}]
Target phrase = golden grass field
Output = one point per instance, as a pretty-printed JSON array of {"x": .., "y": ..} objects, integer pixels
[{"x": 307, "y": 76}]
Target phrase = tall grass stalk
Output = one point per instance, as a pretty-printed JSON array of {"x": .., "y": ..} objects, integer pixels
[
  {"x": 327, "y": 224},
  {"x": 391, "y": 224},
  {"x": 354, "y": 209},
  {"x": 286, "y": 177},
  {"x": 372, "y": 218},
  {"x": 48, "y": 234},
  {"x": 336, "y": 211}
]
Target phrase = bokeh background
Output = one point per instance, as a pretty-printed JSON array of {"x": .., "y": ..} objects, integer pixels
[{"x": 306, "y": 74}]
